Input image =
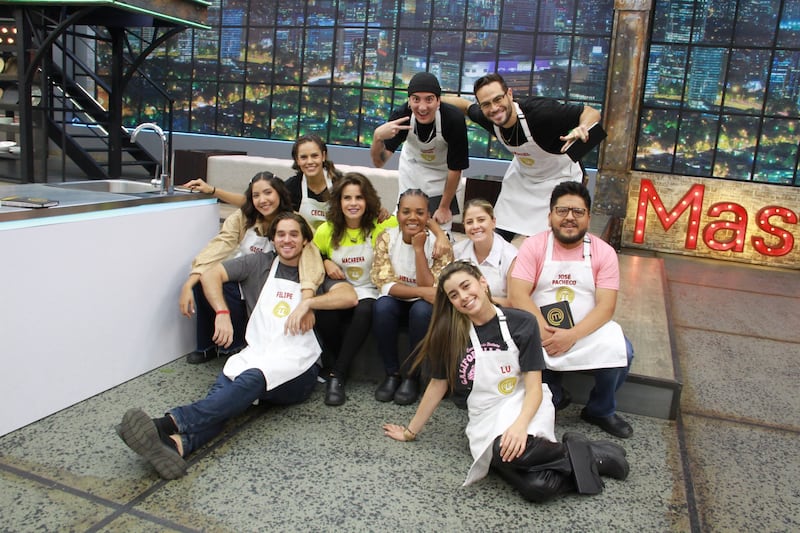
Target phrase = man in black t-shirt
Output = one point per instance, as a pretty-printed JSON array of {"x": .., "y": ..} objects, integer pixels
[
  {"x": 434, "y": 152},
  {"x": 537, "y": 131}
]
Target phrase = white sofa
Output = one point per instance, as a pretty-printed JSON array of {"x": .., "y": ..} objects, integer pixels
[{"x": 233, "y": 173}]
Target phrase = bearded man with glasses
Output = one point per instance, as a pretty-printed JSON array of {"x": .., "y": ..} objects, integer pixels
[{"x": 566, "y": 264}]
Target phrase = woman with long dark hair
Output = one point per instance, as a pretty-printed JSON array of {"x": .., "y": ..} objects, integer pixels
[{"x": 490, "y": 359}]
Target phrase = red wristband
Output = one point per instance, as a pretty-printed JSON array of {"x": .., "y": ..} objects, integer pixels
[{"x": 223, "y": 312}]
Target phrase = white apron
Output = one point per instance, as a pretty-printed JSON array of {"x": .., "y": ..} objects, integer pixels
[
  {"x": 314, "y": 211},
  {"x": 403, "y": 258},
  {"x": 280, "y": 357},
  {"x": 524, "y": 199},
  {"x": 423, "y": 164},
  {"x": 573, "y": 281},
  {"x": 252, "y": 243},
  {"x": 356, "y": 262},
  {"x": 496, "y": 400}
]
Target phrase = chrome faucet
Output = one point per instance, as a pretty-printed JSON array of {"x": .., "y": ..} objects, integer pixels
[{"x": 162, "y": 180}]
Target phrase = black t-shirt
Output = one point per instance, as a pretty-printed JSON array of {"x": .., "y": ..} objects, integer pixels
[
  {"x": 524, "y": 331},
  {"x": 547, "y": 119},
  {"x": 454, "y": 131},
  {"x": 294, "y": 184}
]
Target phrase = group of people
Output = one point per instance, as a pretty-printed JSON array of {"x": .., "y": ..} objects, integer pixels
[{"x": 298, "y": 277}]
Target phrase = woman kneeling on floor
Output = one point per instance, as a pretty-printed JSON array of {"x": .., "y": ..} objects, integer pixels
[{"x": 490, "y": 358}]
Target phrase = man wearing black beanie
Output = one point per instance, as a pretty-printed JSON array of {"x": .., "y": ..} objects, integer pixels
[{"x": 434, "y": 152}]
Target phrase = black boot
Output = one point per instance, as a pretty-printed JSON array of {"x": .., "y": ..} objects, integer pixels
[
  {"x": 334, "y": 391},
  {"x": 540, "y": 476},
  {"x": 609, "y": 457}
]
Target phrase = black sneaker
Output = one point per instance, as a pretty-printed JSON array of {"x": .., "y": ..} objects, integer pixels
[
  {"x": 204, "y": 356},
  {"x": 140, "y": 434}
]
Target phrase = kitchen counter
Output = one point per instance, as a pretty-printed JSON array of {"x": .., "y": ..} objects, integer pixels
[
  {"x": 90, "y": 292},
  {"x": 73, "y": 200}
]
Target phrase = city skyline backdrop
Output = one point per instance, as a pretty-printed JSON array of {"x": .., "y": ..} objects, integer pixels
[{"x": 721, "y": 96}]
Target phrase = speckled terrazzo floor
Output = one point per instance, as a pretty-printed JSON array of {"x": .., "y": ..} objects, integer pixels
[{"x": 729, "y": 463}]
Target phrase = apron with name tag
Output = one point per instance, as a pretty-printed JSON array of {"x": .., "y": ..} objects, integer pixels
[
  {"x": 280, "y": 357},
  {"x": 524, "y": 199},
  {"x": 573, "y": 281},
  {"x": 356, "y": 262},
  {"x": 403, "y": 257},
  {"x": 314, "y": 211},
  {"x": 496, "y": 401}
]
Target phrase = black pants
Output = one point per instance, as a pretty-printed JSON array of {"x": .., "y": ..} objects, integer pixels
[
  {"x": 341, "y": 333},
  {"x": 541, "y": 473}
]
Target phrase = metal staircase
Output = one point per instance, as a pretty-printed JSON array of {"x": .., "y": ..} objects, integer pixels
[{"x": 81, "y": 106}]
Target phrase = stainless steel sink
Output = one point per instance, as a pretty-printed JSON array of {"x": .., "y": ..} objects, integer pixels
[{"x": 114, "y": 186}]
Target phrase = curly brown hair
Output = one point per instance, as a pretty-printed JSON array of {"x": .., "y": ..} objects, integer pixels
[{"x": 336, "y": 215}]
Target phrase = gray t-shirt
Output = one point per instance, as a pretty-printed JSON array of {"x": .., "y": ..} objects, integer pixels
[{"x": 252, "y": 271}]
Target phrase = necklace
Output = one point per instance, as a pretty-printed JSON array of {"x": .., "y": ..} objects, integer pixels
[
  {"x": 351, "y": 232},
  {"x": 512, "y": 136}
]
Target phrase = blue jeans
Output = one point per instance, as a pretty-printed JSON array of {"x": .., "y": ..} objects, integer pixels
[
  {"x": 388, "y": 314},
  {"x": 602, "y": 400},
  {"x": 202, "y": 420},
  {"x": 206, "y": 316}
]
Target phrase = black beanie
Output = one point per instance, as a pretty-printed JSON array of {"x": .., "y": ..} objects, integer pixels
[{"x": 424, "y": 82}]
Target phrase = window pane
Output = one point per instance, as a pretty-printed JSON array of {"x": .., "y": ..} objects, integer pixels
[
  {"x": 714, "y": 23},
  {"x": 706, "y": 74},
  {"x": 260, "y": 50},
  {"x": 412, "y": 53},
  {"x": 380, "y": 59},
  {"x": 229, "y": 109},
  {"x": 483, "y": 15},
  {"x": 376, "y": 107},
  {"x": 558, "y": 16},
  {"x": 747, "y": 80},
  {"x": 478, "y": 140},
  {"x": 288, "y": 55},
  {"x": 789, "y": 27},
  {"x": 665, "y": 75},
  {"x": 256, "y": 111},
  {"x": 736, "y": 147},
  {"x": 381, "y": 12},
  {"x": 290, "y": 12},
  {"x": 672, "y": 21},
  {"x": 415, "y": 13},
  {"x": 777, "y": 152},
  {"x": 345, "y": 109},
  {"x": 756, "y": 22},
  {"x": 696, "y": 136},
  {"x": 595, "y": 17},
  {"x": 262, "y": 13},
  {"x": 519, "y": 15},
  {"x": 656, "y": 144},
  {"x": 352, "y": 13},
  {"x": 588, "y": 69},
  {"x": 784, "y": 84},
  {"x": 285, "y": 102},
  {"x": 448, "y": 13},
  {"x": 318, "y": 58},
  {"x": 204, "y": 107},
  {"x": 314, "y": 111}
]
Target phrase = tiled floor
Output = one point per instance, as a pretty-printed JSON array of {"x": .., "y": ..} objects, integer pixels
[{"x": 729, "y": 463}]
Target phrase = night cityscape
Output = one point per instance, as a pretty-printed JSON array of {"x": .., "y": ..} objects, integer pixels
[{"x": 722, "y": 93}]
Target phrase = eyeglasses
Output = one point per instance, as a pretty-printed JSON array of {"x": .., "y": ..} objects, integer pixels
[
  {"x": 577, "y": 212},
  {"x": 493, "y": 102}
]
